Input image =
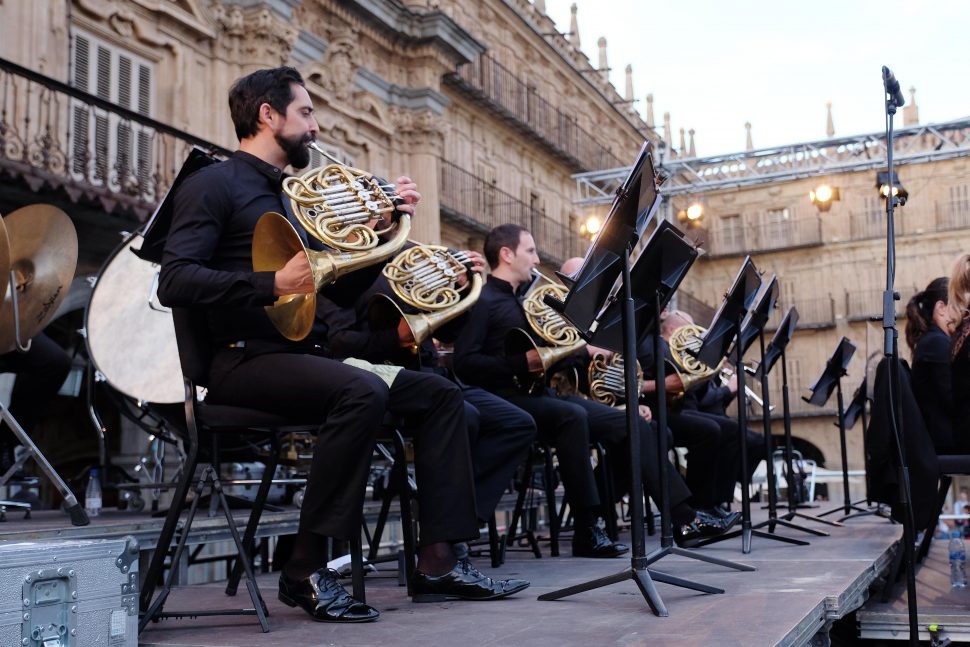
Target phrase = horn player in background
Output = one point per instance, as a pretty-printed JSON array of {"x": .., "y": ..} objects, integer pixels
[
  {"x": 567, "y": 423},
  {"x": 208, "y": 264},
  {"x": 499, "y": 432}
]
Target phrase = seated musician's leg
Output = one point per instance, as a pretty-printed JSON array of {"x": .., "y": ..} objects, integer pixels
[
  {"x": 432, "y": 409},
  {"x": 352, "y": 403},
  {"x": 504, "y": 435}
]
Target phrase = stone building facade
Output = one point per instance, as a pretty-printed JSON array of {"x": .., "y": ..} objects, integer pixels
[
  {"x": 831, "y": 265},
  {"x": 484, "y": 104}
]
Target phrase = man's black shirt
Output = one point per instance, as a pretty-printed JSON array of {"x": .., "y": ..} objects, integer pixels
[
  {"x": 480, "y": 348},
  {"x": 208, "y": 261}
]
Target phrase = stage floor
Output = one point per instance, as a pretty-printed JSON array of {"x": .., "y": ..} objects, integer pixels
[{"x": 795, "y": 593}]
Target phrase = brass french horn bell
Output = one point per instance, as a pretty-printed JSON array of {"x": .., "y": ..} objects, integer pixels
[
  {"x": 38, "y": 255},
  {"x": 275, "y": 242}
]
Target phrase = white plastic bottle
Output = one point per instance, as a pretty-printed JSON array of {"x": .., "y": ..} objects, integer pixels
[
  {"x": 92, "y": 496},
  {"x": 958, "y": 561}
]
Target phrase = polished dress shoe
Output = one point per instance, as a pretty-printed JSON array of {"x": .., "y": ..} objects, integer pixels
[
  {"x": 594, "y": 542},
  {"x": 463, "y": 582},
  {"x": 321, "y": 595},
  {"x": 702, "y": 526}
]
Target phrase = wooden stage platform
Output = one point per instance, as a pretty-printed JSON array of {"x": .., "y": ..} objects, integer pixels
[{"x": 792, "y": 598}]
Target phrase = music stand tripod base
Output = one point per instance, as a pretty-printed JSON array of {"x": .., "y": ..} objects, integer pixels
[{"x": 78, "y": 516}]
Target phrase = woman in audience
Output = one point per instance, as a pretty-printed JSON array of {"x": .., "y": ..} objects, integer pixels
[
  {"x": 927, "y": 333},
  {"x": 959, "y": 305}
]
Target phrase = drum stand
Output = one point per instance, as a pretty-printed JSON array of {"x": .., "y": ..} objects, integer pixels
[{"x": 78, "y": 516}]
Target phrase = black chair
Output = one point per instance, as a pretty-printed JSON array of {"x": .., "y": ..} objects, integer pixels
[
  {"x": 950, "y": 465},
  {"x": 399, "y": 484},
  {"x": 210, "y": 422},
  {"x": 547, "y": 475}
]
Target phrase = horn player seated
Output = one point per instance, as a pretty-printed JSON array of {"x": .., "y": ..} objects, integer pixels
[{"x": 208, "y": 264}]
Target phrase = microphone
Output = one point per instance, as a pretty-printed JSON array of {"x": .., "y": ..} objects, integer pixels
[{"x": 892, "y": 87}]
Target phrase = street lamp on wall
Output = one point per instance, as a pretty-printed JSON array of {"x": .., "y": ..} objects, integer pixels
[
  {"x": 823, "y": 196},
  {"x": 692, "y": 215},
  {"x": 591, "y": 226},
  {"x": 899, "y": 191}
]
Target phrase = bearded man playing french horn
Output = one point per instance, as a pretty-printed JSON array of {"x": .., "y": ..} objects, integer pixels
[{"x": 208, "y": 265}]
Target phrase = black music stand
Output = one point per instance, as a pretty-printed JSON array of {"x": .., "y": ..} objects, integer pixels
[
  {"x": 774, "y": 352},
  {"x": 755, "y": 328},
  {"x": 607, "y": 336},
  {"x": 831, "y": 380},
  {"x": 855, "y": 411},
  {"x": 670, "y": 256},
  {"x": 716, "y": 344}
]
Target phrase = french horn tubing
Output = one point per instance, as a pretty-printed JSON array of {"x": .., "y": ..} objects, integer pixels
[
  {"x": 607, "y": 381},
  {"x": 428, "y": 278},
  {"x": 563, "y": 339},
  {"x": 336, "y": 204},
  {"x": 691, "y": 371}
]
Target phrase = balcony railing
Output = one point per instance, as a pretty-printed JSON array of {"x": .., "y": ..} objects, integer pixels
[
  {"x": 477, "y": 204},
  {"x": 818, "y": 312},
  {"x": 55, "y": 135},
  {"x": 953, "y": 215},
  {"x": 864, "y": 304},
  {"x": 749, "y": 239},
  {"x": 489, "y": 81}
]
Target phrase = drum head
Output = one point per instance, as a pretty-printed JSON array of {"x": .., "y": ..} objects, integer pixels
[{"x": 130, "y": 336}]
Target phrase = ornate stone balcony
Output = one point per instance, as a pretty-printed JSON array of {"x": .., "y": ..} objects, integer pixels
[
  {"x": 479, "y": 205},
  {"x": 487, "y": 81},
  {"x": 55, "y": 136}
]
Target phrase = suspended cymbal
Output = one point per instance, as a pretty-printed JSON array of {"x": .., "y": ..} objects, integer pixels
[
  {"x": 43, "y": 257},
  {"x": 4, "y": 259}
]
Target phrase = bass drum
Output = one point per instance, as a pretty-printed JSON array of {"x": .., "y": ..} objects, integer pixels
[{"x": 130, "y": 336}]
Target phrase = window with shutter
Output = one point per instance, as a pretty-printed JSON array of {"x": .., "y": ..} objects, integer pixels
[{"x": 107, "y": 149}]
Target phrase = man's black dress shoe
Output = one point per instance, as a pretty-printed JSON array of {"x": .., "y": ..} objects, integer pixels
[
  {"x": 594, "y": 542},
  {"x": 463, "y": 582},
  {"x": 703, "y": 525},
  {"x": 321, "y": 595}
]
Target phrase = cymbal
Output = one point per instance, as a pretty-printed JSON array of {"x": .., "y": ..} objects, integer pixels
[
  {"x": 43, "y": 257},
  {"x": 4, "y": 259}
]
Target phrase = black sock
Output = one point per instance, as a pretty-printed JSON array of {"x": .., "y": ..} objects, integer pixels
[
  {"x": 309, "y": 555},
  {"x": 584, "y": 518},
  {"x": 682, "y": 514}
]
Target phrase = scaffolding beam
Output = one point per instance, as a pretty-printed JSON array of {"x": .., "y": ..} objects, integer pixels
[{"x": 916, "y": 144}]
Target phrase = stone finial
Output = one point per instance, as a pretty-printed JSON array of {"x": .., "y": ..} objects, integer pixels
[
  {"x": 911, "y": 110},
  {"x": 629, "y": 84},
  {"x": 829, "y": 124},
  {"x": 748, "y": 144},
  {"x": 691, "y": 151},
  {"x": 667, "y": 136},
  {"x": 604, "y": 67},
  {"x": 573, "y": 27},
  {"x": 683, "y": 144},
  {"x": 540, "y": 6},
  {"x": 650, "y": 111}
]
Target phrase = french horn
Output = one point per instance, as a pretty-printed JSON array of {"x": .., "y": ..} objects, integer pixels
[
  {"x": 683, "y": 341},
  {"x": 563, "y": 339},
  {"x": 428, "y": 279},
  {"x": 335, "y": 204},
  {"x": 607, "y": 381}
]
